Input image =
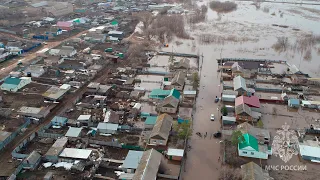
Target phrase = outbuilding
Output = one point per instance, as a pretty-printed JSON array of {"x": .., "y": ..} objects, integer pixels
[
  {"x": 175, "y": 154},
  {"x": 294, "y": 103}
]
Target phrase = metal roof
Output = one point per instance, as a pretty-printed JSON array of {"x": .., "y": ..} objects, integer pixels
[
  {"x": 162, "y": 127},
  {"x": 59, "y": 119},
  {"x": 149, "y": 166},
  {"x": 249, "y": 140},
  {"x": 190, "y": 92},
  {"x": 84, "y": 118},
  {"x": 252, "y": 101},
  {"x": 73, "y": 132},
  {"x": 108, "y": 126},
  {"x": 310, "y": 151},
  {"x": 132, "y": 160},
  {"x": 33, "y": 157},
  {"x": 4, "y": 135},
  {"x": 294, "y": 101},
  {"x": 55, "y": 92},
  {"x": 76, "y": 153},
  {"x": 151, "y": 120},
  {"x": 175, "y": 152},
  {"x": 228, "y": 118},
  {"x": 239, "y": 83}
]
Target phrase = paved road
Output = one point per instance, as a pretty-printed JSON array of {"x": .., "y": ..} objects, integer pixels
[{"x": 30, "y": 56}]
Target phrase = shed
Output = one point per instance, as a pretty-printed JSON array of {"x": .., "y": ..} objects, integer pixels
[
  {"x": 32, "y": 161},
  {"x": 75, "y": 153},
  {"x": 48, "y": 176},
  {"x": 150, "y": 122},
  {"x": 132, "y": 161},
  {"x": 310, "y": 153},
  {"x": 107, "y": 128},
  {"x": 59, "y": 121},
  {"x": 228, "y": 120},
  {"x": 53, "y": 153},
  {"x": 175, "y": 154},
  {"x": 228, "y": 98},
  {"x": 189, "y": 94},
  {"x": 294, "y": 103},
  {"x": 73, "y": 132}
]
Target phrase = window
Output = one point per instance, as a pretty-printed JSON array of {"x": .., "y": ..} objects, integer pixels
[
  {"x": 244, "y": 152},
  {"x": 154, "y": 141},
  {"x": 160, "y": 142},
  {"x": 252, "y": 153}
]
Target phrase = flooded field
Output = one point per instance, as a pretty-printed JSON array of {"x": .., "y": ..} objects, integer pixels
[{"x": 248, "y": 32}]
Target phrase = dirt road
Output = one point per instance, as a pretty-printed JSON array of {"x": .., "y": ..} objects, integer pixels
[
  {"x": 30, "y": 56},
  {"x": 5, "y": 165}
]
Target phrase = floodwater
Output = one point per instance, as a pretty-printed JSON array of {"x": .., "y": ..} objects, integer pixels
[{"x": 252, "y": 37}]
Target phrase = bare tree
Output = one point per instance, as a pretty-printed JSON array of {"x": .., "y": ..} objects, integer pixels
[{"x": 146, "y": 18}]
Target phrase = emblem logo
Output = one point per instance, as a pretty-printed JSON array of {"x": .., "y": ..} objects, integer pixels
[{"x": 285, "y": 143}]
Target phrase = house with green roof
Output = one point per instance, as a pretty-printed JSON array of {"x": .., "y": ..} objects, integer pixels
[
  {"x": 251, "y": 148},
  {"x": 13, "y": 84},
  {"x": 161, "y": 94}
]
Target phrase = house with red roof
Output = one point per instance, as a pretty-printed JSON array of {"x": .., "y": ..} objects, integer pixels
[
  {"x": 64, "y": 25},
  {"x": 253, "y": 102}
]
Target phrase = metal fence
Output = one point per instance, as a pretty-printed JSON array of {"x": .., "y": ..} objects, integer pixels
[{"x": 13, "y": 135}]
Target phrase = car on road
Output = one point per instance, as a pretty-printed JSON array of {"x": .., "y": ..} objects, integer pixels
[{"x": 212, "y": 117}]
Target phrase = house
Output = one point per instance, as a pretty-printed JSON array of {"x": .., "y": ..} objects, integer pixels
[
  {"x": 73, "y": 132},
  {"x": 132, "y": 160},
  {"x": 245, "y": 69},
  {"x": 56, "y": 93},
  {"x": 14, "y": 84},
  {"x": 93, "y": 88},
  {"x": 150, "y": 122},
  {"x": 32, "y": 161},
  {"x": 67, "y": 64},
  {"x": 262, "y": 135},
  {"x": 178, "y": 81},
  {"x": 310, "y": 153},
  {"x": 65, "y": 25},
  {"x": 294, "y": 103},
  {"x": 243, "y": 113},
  {"x": 107, "y": 128},
  {"x": 253, "y": 102},
  {"x": 34, "y": 70},
  {"x": 111, "y": 117},
  {"x": 75, "y": 154},
  {"x": 64, "y": 51},
  {"x": 116, "y": 34},
  {"x": 160, "y": 93},
  {"x": 161, "y": 130},
  {"x": 95, "y": 37},
  {"x": 251, "y": 148},
  {"x": 184, "y": 115},
  {"x": 52, "y": 154},
  {"x": 34, "y": 112},
  {"x": 168, "y": 105},
  {"x": 85, "y": 120},
  {"x": 59, "y": 121},
  {"x": 104, "y": 90},
  {"x": 239, "y": 85},
  {"x": 175, "y": 154},
  {"x": 252, "y": 171},
  {"x": 149, "y": 166},
  {"x": 183, "y": 64}
]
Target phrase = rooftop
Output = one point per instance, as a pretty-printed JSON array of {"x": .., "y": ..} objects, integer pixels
[
  {"x": 75, "y": 153},
  {"x": 73, "y": 132},
  {"x": 132, "y": 160},
  {"x": 310, "y": 151},
  {"x": 162, "y": 127},
  {"x": 252, "y": 101},
  {"x": 149, "y": 165},
  {"x": 4, "y": 135},
  {"x": 108, "y": 126},
  {"x": 239, "y": 83},
  {"x": 249, "y": 140},
  {"x": 175, "y": 152},
  {"x": 151, "y": 120}
]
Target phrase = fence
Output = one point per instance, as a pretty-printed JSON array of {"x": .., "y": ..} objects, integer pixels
[
  {"x": 42, "y": 133},
  {"x": 105, "y": 143},
  {"x": 7, "y": 31},
  {"x": 13, "y": 135},
  {"x": 15, "y": 153},
  {"x": 132, "y": 147}
]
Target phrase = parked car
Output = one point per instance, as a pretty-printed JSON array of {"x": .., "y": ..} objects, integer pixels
[
  {"x": 217, "y": 134},
  {"x": 212, "y": 117}
]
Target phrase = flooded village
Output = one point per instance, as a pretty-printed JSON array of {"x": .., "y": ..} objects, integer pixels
[{"x": 163, "y": 90}]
